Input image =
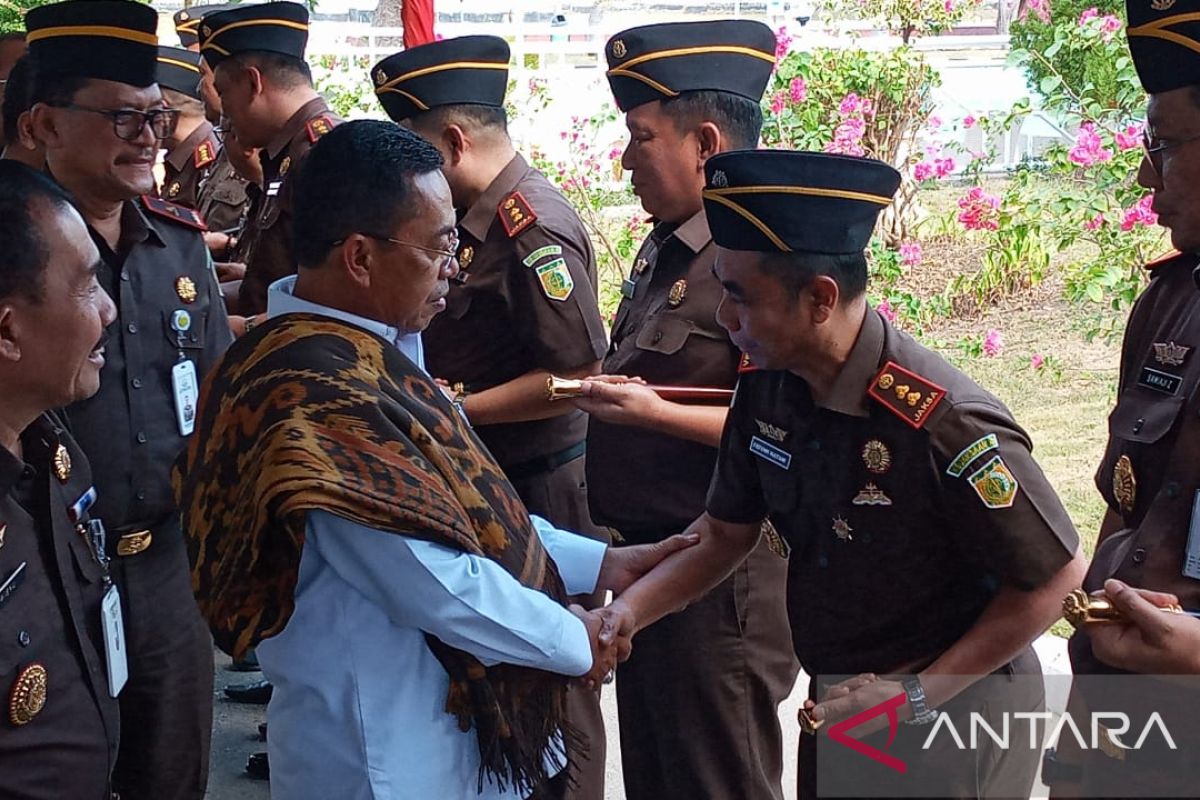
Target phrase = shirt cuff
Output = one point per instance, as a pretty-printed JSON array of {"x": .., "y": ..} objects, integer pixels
[
  {"x": 578, "y": 558},
  {"x": 574, "y": 656}
]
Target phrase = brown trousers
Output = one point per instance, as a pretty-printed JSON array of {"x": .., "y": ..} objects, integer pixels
[
  {"x": 699, "y": 697},
  {"x": 167, "y": 703},
  {"x": 560, "y": 497}
]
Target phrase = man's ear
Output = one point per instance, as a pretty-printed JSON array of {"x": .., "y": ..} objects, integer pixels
[
  {"x": 709, "y": 141},
  {"x": 824, "y": 294},
  {"x": 457, "y": 143},
  {"x": 254, "y": 75},
  {"x": 43, "y": 125},
  {"x": 10, "y": 349},
  {"x": 357, "y": 260}
]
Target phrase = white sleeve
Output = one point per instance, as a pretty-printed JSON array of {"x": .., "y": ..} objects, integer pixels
[{"x": 578, "y": 558}]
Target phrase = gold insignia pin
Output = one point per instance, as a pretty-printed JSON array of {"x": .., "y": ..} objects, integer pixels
[
  {"x": 465, "y": 256},
  {"x": 640, "y": 265},
  {"x": 173, "y": 190},
  {"x": 1124, "y": 484},
  {"x": 902, "y": 391},
  {"x": 876, "y": 456},
  {"x": 380, "y": 77},
  {"x": 1170, "y": 354},
  {"x": 1162, "y": 5},
  {"x": 913, "y": 398},
  {"x": 719, "y": 179},
  {"x": 842, "y": 529},
  {"x": 185, "y": 287},
  {"x": 183, "y": 16},
  {"x": 205, "y": 31},
  {"x": 285, "y": 165},
  {"x": 772, "y": 432},
  {"x": 775, "y": 542},
  {"x": 27, "y": 697},
  {"x": 62, "y": 463},
  {"x": 618, "y": 48},
  {"x": 678, "y": 293},
  {"x": 886, "y": 382},
  {"x": 871, "y": 495}
]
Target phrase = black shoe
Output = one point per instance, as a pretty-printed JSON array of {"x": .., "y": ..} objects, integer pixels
[
  {"x": 257, "y": 767},
  {"x": 248, "y": 663},
  {"x": 256, "y": 693},
  {"x": 262, "y": 731}
]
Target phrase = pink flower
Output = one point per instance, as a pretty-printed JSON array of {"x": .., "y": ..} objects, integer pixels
[
  {"x": 922, "y": 171},
  {"x": 777, "y": 103},
  {"x": 993, "y": 343},
  {"x": 1089, "y": 15},
  {"x": 969, "y": 121},
  {"x": 1037, "y": 361},
  {"x": 1041, "y": 8},
  {"x": 886, "y": 311},
  {"x": 1129, "y": 138},
  {"x": 1088, "y": 149},
  {"x": 1095, "y": 223},
  {"x": 935, "y": 122},
  {"x": 798, "y": 90},
  {"x": 942, "y": 167},
  {"x": 1139, "y": 213},
  {"x": 910, "y": 253},
  {"x": 850, "y": 105},
  {"x": 614, "y": 154},
  {"x": 847, "y": 137},
  {"x": 1109, "y": 25},
  {"x": 948, "y": 6},
  {"x": 980, "y": 210},
  {"x": 783, "y": 43}
]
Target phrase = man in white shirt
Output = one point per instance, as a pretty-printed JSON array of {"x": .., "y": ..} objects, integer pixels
[{"x": 418, "y": 665}]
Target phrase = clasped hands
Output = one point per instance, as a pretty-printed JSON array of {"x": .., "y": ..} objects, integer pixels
[{"x": 611, "y": 628}]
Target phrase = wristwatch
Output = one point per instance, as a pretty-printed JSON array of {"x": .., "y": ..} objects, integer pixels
[{"x": 922, "y": 714}]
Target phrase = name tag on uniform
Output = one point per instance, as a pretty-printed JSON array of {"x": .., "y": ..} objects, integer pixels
[
  {"x": 770, "y": 453},
  {"x": 1191, "y": 559},
  {"x": 273, "y": 188},
  {"x": 186, "y": 390},
  {"x": 1159, "y": 381},
  {"x": 114, "y": 641}
]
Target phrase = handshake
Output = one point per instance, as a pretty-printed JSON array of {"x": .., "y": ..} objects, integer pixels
[{"x": 611, "y": 628}]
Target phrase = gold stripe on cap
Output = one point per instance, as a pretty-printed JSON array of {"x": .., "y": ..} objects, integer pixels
[
  {"x": 1154, "y": 30},
  {"x": 711, "y": 194},
  {"x": 412, "y": 99},
  {"x": 813, "y": 191},
  {"x": 192, "y": 25},
  {"x": 637, "y": 76},
  {"x": 211, "y": 45},
  {"x": 105, "y": 31},
  {"x": 441, "y": 68},
  {"x": 695, "y": 51},
  {"x": 175, "y": 63},
  {"x": 283, "y": 23}
]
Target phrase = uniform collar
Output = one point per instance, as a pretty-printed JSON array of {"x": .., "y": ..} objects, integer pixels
[
  {"x": 296, "y": 126},
  {"x": 185, "y": 151},
  {"x": 482, "y": 213},
  {"x": 136, "y": 227},
  {"x": 848, "y": 395},
  {"x": 694, "y": 233},
  {"x": 36, "y": 440}
]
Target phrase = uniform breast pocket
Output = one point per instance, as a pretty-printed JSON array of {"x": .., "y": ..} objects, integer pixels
[
  {"x": 1142, "y": 418},
  {"x": 668, "y": 333},
  {"x": 192, "y": 337},
  {"x": 230, "y": 193},
  {"x": 780, "y": 485}
]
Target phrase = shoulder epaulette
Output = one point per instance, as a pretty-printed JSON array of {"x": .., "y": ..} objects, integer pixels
[
  {"x": 516, "y": 214},
  {"x": 205, "y": 154},
  {"x": 180, "y": 214},
  {"x": 318, "y": 127},
  {"x": 1158, "y": 262},
  {"x": 746, "y": 365},
  {"x": 906, "y": 394}
]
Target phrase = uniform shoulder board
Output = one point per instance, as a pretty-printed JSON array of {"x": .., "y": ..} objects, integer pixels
[
  {"x": 185, "y": 216},
  {"x": 746, "y": 365},
  {"x": 318, "y": 127},
  {"x": 1158, "y": 262},
  {"x": 516, "y": 214},
  {"x": 205, "y": 154},
  {"x": 906, "y": 394}
]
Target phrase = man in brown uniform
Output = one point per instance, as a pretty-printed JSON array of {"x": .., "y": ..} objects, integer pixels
[
  {"x": 257, "y": 57},
  {"x": 649, "y": 460},
  {"x": 925, "y": 540},
  {"x": 192, "y": 149},
  {"x": 523, "y": 305},
  {"x": 1150, "y": 472},
  {"x": 58, "y": 737},
  {"x": 101, "y": 117}
]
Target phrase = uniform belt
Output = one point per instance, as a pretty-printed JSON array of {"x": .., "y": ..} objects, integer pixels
[{"x": 536, "y": 466}]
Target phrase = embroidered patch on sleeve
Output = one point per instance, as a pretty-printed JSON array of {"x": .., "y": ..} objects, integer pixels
[
  {"x": 555, "y": 278},
  {"x": 541, "y": 253},
  {"x": 971, "y": 452},
  {"x": 995, "y": 484}
]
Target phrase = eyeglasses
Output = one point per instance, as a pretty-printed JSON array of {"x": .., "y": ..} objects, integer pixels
[
  {"x": 449, "y": 255},
  {"x": 128, "y": 124},
  {"x": 1155, "y": 148}
]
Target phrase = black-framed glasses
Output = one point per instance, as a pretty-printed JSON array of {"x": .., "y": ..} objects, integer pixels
[
  {"x": 1155, "y": 147},
  {"x": 128, "y": 123},
  {"x": 449, "y": 255}
]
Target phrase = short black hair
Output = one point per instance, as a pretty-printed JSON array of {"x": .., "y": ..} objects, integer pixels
[
  {"x": 795, "y": 271},
  {"x": 54, "y": 89},
  {"x": 24, "y": 251},
  {"x": 284, "y": 71},
  {"x": 184, "y": 102},
  {"x": 18, "y": 97},
  {"x": 739, "y": 118},
  {"x": 471, "y": 116},
  {"x": 358, "y": 179}
]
